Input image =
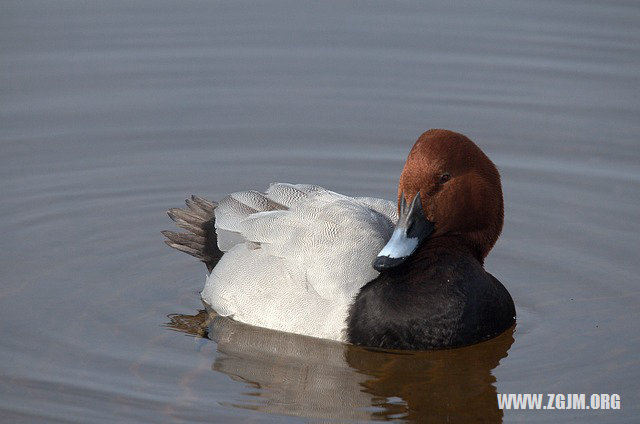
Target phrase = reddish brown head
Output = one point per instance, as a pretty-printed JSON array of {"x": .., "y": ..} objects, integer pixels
[
  {"x": 453, "y": 189},
  {"x": 459, "y": 188}
]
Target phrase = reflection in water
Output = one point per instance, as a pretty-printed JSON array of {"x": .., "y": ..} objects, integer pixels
[{"x": 304, "y": 376}]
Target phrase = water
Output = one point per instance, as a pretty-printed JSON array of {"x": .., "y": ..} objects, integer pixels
[{"x": 112, "y": 112}]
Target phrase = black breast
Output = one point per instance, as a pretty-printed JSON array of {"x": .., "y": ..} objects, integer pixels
[{"x": 449, "y": 303}]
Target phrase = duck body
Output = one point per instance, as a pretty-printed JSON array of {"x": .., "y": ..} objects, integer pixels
[{"x": 306, "y": 260}]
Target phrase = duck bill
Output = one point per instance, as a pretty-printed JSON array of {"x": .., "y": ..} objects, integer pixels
[{"x": 411, "y": 230}]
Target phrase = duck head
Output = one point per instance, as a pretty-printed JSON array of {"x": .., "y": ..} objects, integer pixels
[{"x": 448, "y": 187}]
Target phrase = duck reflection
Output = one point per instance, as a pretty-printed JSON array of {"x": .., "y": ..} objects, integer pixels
[{"x": 304, "y": 376}]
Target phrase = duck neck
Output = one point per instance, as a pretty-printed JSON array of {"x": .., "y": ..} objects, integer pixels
[{"x": 450, "y": 243}]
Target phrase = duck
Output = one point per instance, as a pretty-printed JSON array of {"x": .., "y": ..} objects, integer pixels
[{"x": 403, "y": 275}]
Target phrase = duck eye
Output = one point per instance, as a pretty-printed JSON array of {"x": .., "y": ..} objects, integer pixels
[{"x": 445, "y": 177}]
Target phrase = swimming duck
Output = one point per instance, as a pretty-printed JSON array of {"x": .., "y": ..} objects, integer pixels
[{"x": 303, "y": 259}]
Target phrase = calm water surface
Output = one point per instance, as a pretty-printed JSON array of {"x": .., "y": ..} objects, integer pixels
[{"x": 112, "y": 112}]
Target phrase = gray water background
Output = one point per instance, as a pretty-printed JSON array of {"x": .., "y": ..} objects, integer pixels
[{"x": 112, "y": 112}]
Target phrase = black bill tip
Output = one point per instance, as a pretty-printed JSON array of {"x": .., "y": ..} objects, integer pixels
[{"x": 382, "y": 263}]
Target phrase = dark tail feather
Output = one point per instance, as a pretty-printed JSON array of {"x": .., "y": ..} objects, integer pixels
[{"x": 201, "y": 241}]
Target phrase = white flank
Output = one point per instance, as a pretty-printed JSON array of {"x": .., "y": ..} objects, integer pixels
[{"x": 296, "y": 257}]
